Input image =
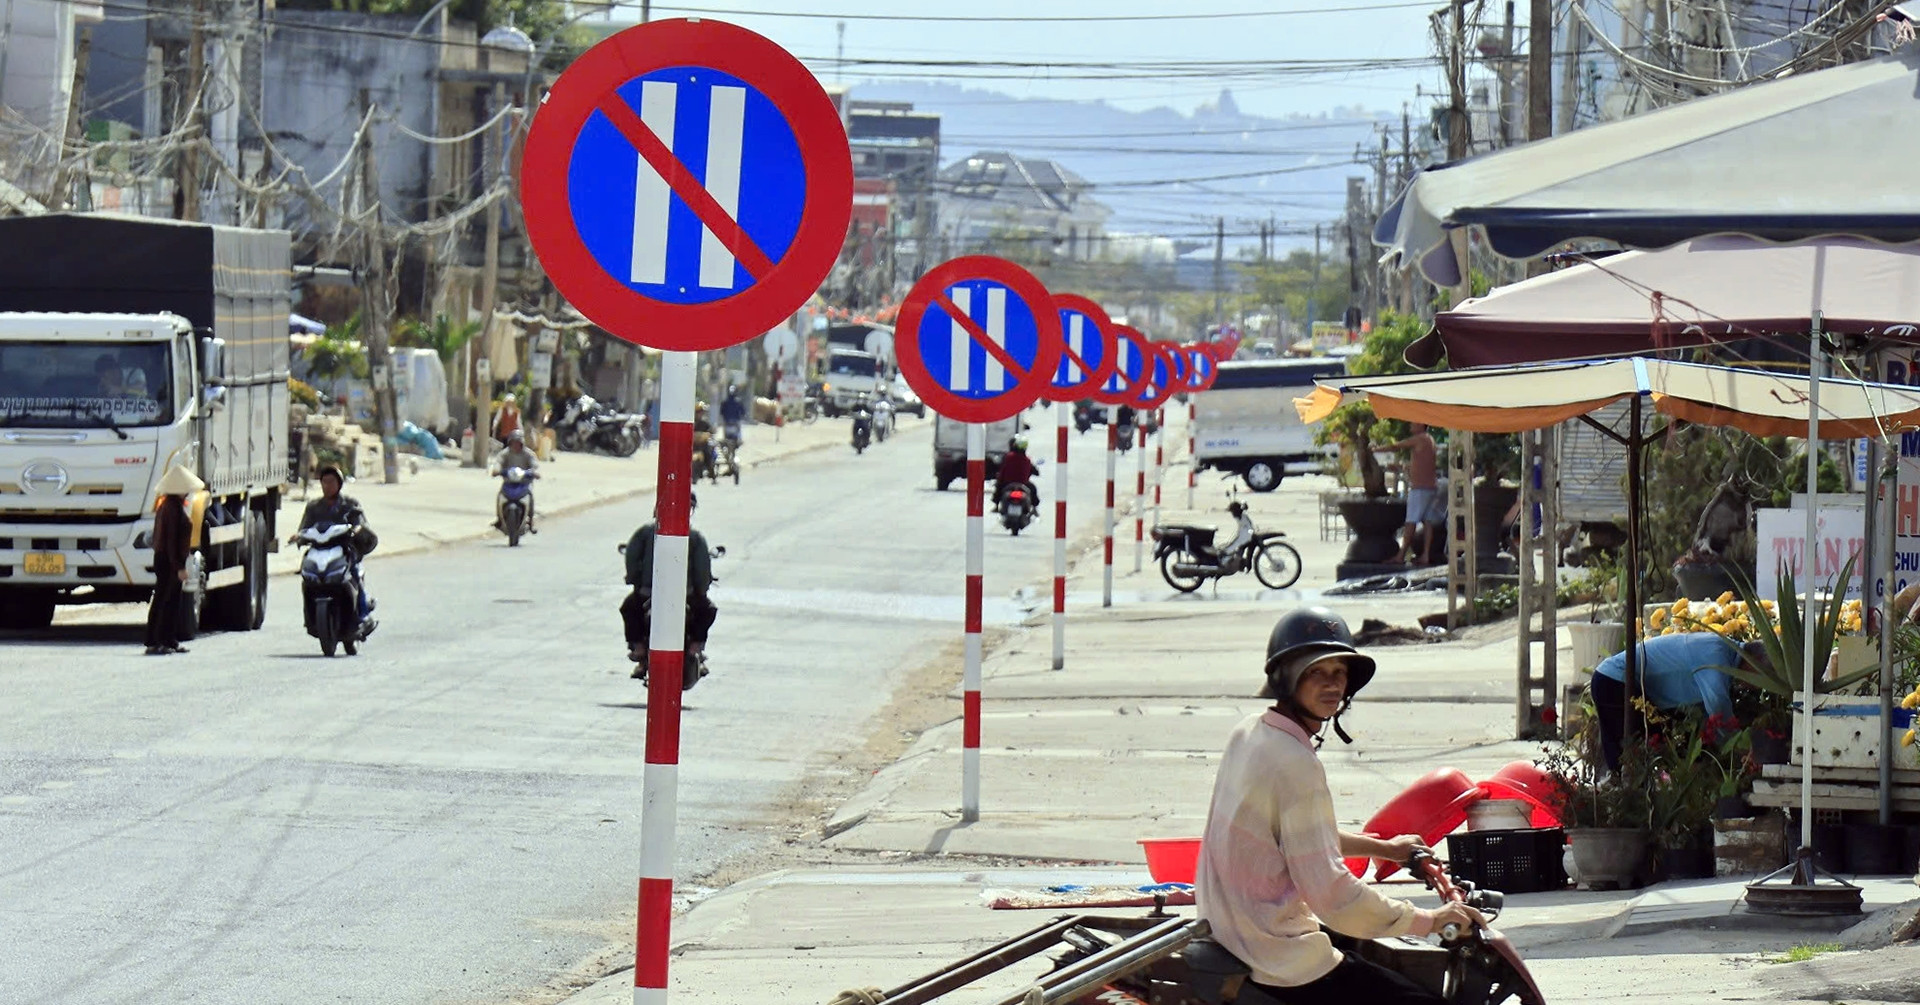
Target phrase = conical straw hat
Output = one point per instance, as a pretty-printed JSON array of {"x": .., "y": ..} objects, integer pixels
[{"x": 178, "y": 481}]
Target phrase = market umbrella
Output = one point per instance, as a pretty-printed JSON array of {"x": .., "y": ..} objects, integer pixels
[
  {"x": 1519, "y": 398},
  {"x": 1711, "y": 289}
]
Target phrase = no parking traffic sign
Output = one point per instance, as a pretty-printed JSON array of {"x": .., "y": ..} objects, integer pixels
[
  {"x": 1087, "y": 358},
  {"x": 1157, "y": 381},
  {"x": 687, "y": 184},
  {"x": 1202, "y": 368},
  {"x": 1130, "y": 359},
  {"x": 978, "y": 338}
]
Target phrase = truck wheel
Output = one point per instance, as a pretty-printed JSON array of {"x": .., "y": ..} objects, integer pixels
[
  {"x": 242, "y": 607},
  {"x": 940, "y": 483},
  {"x": 1261, "y": 477},
  {"x": 31, "y": 612},
  {"x": 258, "y": 539}
]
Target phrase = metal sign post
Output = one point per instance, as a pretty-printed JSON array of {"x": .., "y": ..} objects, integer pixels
[
  {"x": 1113, "y": 462},
  {"x": 976, "y": 568},
  {"x": 1088, "y": 360},
  {"x": 1063, "y": 417}
]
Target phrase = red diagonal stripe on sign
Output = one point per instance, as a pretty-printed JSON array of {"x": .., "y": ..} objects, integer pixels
[
  {"x": 686, "y": 186},
  {"x": 979, "y": 335},
  {"x": 1074, "y": 358}
]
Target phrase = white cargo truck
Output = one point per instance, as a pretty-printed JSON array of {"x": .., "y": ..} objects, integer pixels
[
  {"x": 128, "y": 346},
  {"x": 1246, "y": 424},
  {"x": 950, "y": 448}
]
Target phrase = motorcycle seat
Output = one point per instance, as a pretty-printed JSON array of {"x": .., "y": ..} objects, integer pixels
[{"x": 1205, "y": 956}]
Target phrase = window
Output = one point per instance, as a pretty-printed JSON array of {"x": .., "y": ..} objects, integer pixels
[{"x": 88, "y": 383}]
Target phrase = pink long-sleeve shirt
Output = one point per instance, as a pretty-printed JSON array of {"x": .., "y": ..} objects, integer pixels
[{"x": 1270, "y": 870}]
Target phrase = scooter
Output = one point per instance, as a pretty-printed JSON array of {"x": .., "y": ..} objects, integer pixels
[
  {"x": 726, "y": 454},
  {"x": 330, "y": 586},
  {"x": 1165, "y": 958},
  {"x": 882, "y": 420},
  {"x": 862, "y": 427},
  {"x": 1087, "y": 415},
  {"x": 516, "y": 499},
  {"x": 1017, "y": 506},
  {"x": 1188, "y": 557}
]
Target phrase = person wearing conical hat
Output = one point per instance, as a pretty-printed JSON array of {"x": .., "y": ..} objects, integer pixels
[{"x": 172, "y": 537}]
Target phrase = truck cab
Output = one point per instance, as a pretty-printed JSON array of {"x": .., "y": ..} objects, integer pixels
[{"x": 852, "y": 374}]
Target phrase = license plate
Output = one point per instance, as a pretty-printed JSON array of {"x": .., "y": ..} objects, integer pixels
[{"x": 46, "y": 563}]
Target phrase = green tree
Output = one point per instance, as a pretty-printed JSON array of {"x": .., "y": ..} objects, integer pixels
[{"x": 443, "y": 335}]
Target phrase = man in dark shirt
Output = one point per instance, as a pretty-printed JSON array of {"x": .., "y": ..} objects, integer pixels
[
  {"x": 636, "y": 609},
  {"x": 331, "y": 507}
]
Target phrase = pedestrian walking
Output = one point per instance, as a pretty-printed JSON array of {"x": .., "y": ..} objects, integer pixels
[{"x": 172, "y": 533}]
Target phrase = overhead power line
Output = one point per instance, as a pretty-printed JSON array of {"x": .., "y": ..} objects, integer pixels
[{"x": 1048, "y": 18}]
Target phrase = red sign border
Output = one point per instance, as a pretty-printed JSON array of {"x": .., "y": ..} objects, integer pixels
[
  {"x": 1195, "y": 381},
  {"x": 1124, "y": 396},
  {"x": 1023, "y": 284},
  {"x": 1109, "y": 357},
  {"x": 1162, "y": 351},
  {"x": 825, "y": 212}
]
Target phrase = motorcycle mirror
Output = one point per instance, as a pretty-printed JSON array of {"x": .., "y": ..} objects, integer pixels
[
  {"x": 720, "y": 552},
  {"x": 622, "y": 548}
]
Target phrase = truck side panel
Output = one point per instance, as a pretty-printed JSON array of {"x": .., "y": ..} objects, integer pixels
[{"x": 247, "y": 439}]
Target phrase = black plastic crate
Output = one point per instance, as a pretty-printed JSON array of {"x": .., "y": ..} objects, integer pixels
[{"x": 1527, "y": 861}]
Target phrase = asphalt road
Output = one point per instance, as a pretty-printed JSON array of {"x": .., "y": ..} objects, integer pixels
[{"x": 453, "y": 815}]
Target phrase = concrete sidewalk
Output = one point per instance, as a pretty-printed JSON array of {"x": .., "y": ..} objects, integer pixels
[{"x": 437, "y": 503}]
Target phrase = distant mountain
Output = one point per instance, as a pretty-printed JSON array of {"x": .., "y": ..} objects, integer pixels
[{"x": 1119, "y": 150}]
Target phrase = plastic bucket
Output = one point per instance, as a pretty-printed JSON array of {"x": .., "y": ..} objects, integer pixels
[
  {"x": 1525, "y": 780},
  {"x": 1172, "y": 860}
]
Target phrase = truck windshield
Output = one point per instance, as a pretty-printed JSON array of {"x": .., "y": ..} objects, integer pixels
[
  {"x": 86, "y": 384},
  {"x": 847, "y": 364}
]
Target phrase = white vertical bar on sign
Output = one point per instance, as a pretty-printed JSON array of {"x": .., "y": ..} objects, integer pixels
[
  {"x": 652, "y": 198},
  {"x": 960, "y": 380},
  {"x": 996, "y": 326},
  {"x": 1076, "y": 340},
  {"x": 726, "y": 125}
]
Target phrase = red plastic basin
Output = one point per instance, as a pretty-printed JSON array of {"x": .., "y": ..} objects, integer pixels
[
  {"x": 1434, "y": 806},
  {"x": 1171, "y": 860},
  {"x": 1524, "y": 780}
]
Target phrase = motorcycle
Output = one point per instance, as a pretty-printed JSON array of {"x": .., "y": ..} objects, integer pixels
[
  {"x": 516, "y": 500},
  {"x": 1188, "y": 558},
  {"x": 726, "y": 454},
  {"x": 586, "y": 425},
  {"x": 882, "y": 420},
  {"x": 693, "y": 664},
  {"x": 1017, "y": 505},
  {"x": 1087, "y": 415},
  {"x": 862, "y": 427},
  {"x": 1165, "y": 958},
  {"x": 331, "y": 587}
]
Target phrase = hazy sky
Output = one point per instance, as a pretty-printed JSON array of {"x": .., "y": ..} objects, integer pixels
[{"x": 1394, "y": 30}]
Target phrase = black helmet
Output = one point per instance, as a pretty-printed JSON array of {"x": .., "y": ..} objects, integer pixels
[{"x": 1302, "y": 636}]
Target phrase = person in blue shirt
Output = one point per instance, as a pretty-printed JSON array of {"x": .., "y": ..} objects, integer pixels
[{"x": 1676, "y": 671}]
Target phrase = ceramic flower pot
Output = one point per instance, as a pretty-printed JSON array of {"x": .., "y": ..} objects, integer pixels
[{"x": 1608, "y": 857}]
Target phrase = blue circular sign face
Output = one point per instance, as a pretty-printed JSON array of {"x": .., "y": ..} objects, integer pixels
[
  {"x": 978, "y": 338},
  {"x": 1158, "y": 386},
  {"x": 1086, "y": 350},
  {"x": 726, "y": 206},
  {"x": 1203, "y": 368}
]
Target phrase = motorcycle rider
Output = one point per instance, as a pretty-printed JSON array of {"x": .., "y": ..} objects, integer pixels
[
  {"x": 516, "y": 455},
  {"x": 333, "y": 508},
  {"x": 1270, "y": 871},
  {"x": 733, "y": 412},
  {"x": 700, "y": 610},
  {"x": 703, "y": 441},
  {"x": 1016, "y": 468}
]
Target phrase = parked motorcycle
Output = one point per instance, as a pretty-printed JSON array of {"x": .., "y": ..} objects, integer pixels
[
  {"x": 586, "y": 425},
  {"x": 331, "y": 585},
  {"x": 1188, "y": 558},
  {"x": 516, "y": 502},
  {"x": 1164, "y": 958},
  {"x": 1017, "y": 506},
  {"x": 1087, "y": 415},
  {"x": 694, "y": 662},
  {"x": 862, "y": 427}
]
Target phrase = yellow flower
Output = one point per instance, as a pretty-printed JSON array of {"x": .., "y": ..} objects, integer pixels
[
  {"x": 1680, "y": 606},
  {"x": 1657, "y": 618},
  {"x": 1907, "y": 740},
  {"x": 1911, "y": 701},
  {"x": 1725, "y": 598}
]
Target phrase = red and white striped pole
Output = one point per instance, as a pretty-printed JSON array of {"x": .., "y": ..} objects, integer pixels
[
  {"x": 1113, "y": 463},
  {"x": 666, "y": 662},
  {"x": 970, "y": 679},
  {"x": 1140, "y": 493},
  {"x": 1193, "y": 453},
  {"x": 1159, "y": 459},
  {"x": 1063, "y": 413}
]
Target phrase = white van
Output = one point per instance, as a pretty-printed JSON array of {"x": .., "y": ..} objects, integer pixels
[
  {"x": 950, "y": 448},
  {"x": 1246, "y": 423}
]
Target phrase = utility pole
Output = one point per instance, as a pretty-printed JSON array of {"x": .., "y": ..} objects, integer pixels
[
  {"x": 186, "y": 196},
  {"x": 373, "y": 291},
  {"x": 1540, "y": 67},
  {"x": 1380, "y": 176},
  {"x": 1457, "y": 136},
  {"x": 1313, "y": 291},
  {"x": 482, "y": 397},
  {"x": 65, "y": 180},
  {"x": 1570, "y": 74},
  {"x": 1506, "y": 81},
  {"x": 1219, "y": 270}
]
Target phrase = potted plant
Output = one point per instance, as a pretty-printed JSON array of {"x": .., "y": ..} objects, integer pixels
[
  {"x": 1606, "y": 815},
  {"x": 1374, "y": 517},
  {"x": 1781, "y": 628},
  {"x": 1688, "y": 762},
  {"x": 1603, "y": 633}
]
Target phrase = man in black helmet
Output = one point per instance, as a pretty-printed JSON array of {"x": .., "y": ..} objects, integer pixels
[{"x": 1270, "y": 872}]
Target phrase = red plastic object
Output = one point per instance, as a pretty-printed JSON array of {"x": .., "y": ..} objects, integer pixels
[
  {"x": 1524, "y": 780},
  {"x": 1432, "y": 807},
  {"x": 1172, "y": 860}
]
